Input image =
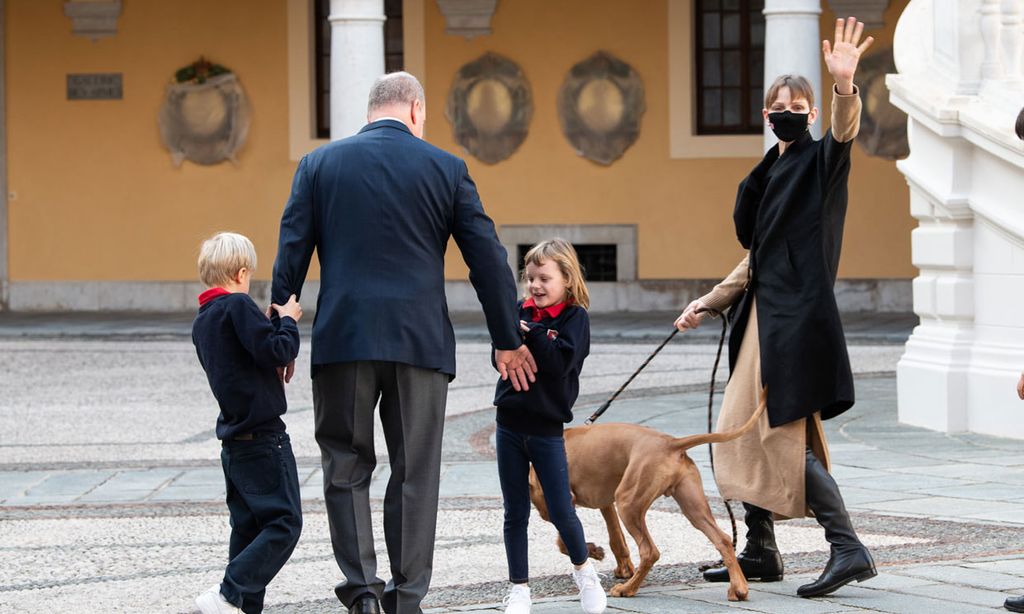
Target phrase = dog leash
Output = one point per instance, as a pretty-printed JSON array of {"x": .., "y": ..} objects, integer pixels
[{"x": 711, "y": 397}]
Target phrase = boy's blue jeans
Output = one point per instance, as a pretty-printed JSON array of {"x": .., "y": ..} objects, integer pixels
[
  {"x": 516, "y": 452},
  {"x": 266, "y": 515}
]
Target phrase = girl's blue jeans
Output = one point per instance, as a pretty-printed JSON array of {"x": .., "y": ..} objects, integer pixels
[{"x": 516, "y": 451}]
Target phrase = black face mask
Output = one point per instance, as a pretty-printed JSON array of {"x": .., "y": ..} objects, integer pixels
[{"x": 788, "y": 126}]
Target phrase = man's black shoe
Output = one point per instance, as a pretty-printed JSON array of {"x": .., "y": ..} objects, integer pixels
[
  {"x": 367, "y": 604},
  {"x": 1014, "y": 604}
]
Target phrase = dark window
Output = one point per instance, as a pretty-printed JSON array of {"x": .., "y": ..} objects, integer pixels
[
  {"x": 599, "y": 261},
  {"x": 393, "y": 55},
  {"x": 730, "y": 66}
]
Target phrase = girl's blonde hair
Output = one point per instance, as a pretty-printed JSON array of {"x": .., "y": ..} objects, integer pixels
[
  {"x": 562, "y": 253},
  {"x": 222, "y": 256}
]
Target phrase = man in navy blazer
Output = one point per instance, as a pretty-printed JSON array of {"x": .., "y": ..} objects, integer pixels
[{"x": 379, "y": 208}]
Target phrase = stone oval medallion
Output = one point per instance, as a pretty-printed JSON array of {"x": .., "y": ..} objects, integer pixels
[
  {"x": 600, "y": 105},
  {"x": 489, "y": 107}
]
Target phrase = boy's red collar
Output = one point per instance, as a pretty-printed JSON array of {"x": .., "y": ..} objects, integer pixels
[
  {"x": 211, "y": 294},
  {"x": 547, "y": 312}
]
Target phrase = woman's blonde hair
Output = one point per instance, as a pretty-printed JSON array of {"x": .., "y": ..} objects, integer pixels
[
  {"x": 222, "y": 256},
  {"x": 562, "y": 253}
]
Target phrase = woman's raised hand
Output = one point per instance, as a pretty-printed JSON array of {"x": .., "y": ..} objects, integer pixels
[{"x": 842, "y": 56}]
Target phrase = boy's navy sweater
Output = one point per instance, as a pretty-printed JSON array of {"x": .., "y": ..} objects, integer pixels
[
  {"x": 559, "y": 346},
  {"x": 240, "y": 350}
]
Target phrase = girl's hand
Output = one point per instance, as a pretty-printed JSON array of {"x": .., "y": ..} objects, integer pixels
[
  {"x": 842, "y": 57},
  {"x": 523, "y": 326},
  {"x": 1020, "y": 387}
]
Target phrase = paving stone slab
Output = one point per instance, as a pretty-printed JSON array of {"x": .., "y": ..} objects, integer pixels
[
  {"x": 71, "y": 483},
  {"x": 900, "y": 603},
  {"x": 958, "y": 594},
  {"x": 1013, "y": 567},
  {"x": 948, "y": 506},
  {"x": 15, "y": 483},
  {"x": 964, "y": 576}
]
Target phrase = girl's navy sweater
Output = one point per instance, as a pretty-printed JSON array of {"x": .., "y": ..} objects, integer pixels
[{"x": 559, "y": 346}]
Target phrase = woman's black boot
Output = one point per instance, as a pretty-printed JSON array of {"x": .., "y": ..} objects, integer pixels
[
  {"x": 849, "y": 559},
  {"x": 760, "y": 559}
]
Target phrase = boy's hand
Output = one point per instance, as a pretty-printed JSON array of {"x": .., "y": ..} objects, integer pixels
[
  {"x": 690, "y": 318},
  {"x": 1020, "y": 387},
  {"x": 523, "y": 326},
  {"x": 292, "y": 309},
  {"x": 285, "y": 373},
  {"x": 843, "y": 56}
]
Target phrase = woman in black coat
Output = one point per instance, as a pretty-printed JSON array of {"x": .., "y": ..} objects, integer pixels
[{"x": 787, "y": 340}]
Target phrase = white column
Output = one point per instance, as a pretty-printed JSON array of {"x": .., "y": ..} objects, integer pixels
[
  {"x": 932, "y": 376},
  {"x": 792, "y": 45},
  {"x": 357, "y": 59}
]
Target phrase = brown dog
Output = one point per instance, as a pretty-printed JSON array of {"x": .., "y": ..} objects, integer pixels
[{"x": 621, "y": 469}]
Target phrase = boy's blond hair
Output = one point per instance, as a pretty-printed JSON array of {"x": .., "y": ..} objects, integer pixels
[
  {"x": 222, "y": 256},
  {"x": 562, "y": 253},
  {"x": 799, "y": 87}
]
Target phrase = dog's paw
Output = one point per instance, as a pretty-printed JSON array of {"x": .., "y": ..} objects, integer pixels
[
  {"x": 595, "y": 552},
  {"x": 625, "y": 570},
  {"x": 622, "y": 590},
  {"x": 738, "y": 595}
]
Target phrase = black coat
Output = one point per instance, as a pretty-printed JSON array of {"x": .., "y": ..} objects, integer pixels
[
  {"x": 379, "y": 208},
  {"x": 789, "y": 213}
]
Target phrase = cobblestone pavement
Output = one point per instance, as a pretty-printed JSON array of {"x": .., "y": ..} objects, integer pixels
[{"x": 111, "y": 491}]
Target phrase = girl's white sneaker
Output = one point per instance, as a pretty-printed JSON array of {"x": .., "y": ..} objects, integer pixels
[
  {"x": 518, "y": 600},
  {"x": 592, "y": 597},
  {"x": 212, "y": 602}
]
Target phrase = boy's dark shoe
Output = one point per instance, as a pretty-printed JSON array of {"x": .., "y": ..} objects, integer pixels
[{"x": 1014, "y": 604}]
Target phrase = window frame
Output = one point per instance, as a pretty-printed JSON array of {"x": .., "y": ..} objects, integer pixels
[
  {"x": 746, "y": 49},
  {"x": 684, "y": 142}
]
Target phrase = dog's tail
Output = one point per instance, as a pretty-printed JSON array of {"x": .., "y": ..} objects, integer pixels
[{"x": 692, "y": 441}]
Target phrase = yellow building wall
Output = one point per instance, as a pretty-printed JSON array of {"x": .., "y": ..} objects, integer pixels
[
  {"x": 97, "y": 197},
  {"x": 683, "y": 208}
]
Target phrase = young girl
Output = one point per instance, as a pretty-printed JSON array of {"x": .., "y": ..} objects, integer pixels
[{"x": 556, "y": 329}]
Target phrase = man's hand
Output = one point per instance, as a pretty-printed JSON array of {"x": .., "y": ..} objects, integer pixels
[
  {"x": 842, "y": 57},
  {"x": 292, "y": 309},
  {"x": 1020, "y": 387},
  {"x": 690, "y": 318},
  {"x": 285, "y": 373},
  {"x": 516, "y": 364}
]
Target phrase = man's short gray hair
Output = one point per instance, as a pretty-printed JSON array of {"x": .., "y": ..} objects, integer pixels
[{"x": 395, "y": 88}]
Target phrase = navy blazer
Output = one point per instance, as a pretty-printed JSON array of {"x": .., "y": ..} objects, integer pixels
[{"x": 379, "y": 208}]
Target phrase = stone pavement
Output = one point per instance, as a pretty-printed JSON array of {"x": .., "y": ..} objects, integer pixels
[{"x": 111, "y": 494}]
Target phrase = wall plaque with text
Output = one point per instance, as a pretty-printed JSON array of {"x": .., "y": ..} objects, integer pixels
[{"x": 95, "y": 86}]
